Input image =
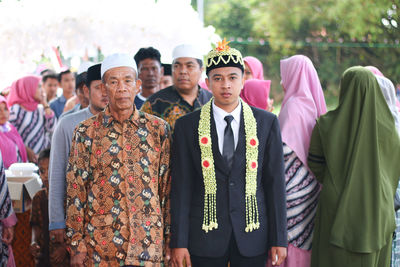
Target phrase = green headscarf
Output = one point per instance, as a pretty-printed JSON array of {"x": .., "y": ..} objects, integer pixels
[{"x": 362, "y": 152}]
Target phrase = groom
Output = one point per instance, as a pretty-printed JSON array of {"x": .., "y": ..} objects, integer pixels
[{"x": 228, "y": 186}]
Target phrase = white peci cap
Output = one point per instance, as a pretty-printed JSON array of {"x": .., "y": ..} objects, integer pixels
[
  {"x": 186, "y": 50},
  {"x": 117, "y": 60}
]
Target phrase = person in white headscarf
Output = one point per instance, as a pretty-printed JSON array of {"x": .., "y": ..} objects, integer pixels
[{"x": 389, "y": 93}]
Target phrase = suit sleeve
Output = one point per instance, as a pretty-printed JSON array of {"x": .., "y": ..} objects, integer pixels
[
  {"x": 316, "y": 159},
  {"x": 181, "y": 187},
  {"x": 275, "y": 188}
]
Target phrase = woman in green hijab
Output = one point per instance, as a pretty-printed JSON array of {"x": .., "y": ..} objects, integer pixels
[{"x": 354, "y": 153}]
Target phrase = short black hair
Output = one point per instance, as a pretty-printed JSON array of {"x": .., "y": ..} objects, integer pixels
[
  {"x": 44, "y": 154},
  {"x": 148, "y": 52},
  {"x": 200, "y": 62},
  {"x": 49, "y": 76},
  {"x": 62, "y": 73},
  {"x": 47, "y": 71}
]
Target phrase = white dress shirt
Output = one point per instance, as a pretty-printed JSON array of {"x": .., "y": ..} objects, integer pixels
[{"x": 220, "y": 123}]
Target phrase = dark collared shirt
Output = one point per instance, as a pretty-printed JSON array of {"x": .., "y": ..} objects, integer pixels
[{"x": 169, "y": 105}]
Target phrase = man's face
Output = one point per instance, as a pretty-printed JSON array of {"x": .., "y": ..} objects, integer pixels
[
  {"x": 121, "y": 87},
  {"x": 68, "y": 82},
  {"x": 50, "y": 87},
  {"x": 83, "y": 99},
  {"x": 4, "y": 113},
  {"x": 186, "y": 73},
  {"x": 225, "y": 84},
  {"x": 150, "y": 73},
  {"x": 165, "y": 81},
  {"x": 97, "y": 95}
]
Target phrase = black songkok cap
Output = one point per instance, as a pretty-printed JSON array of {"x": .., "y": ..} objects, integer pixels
[
  {"x": 80, "y": 79},
  {"x": 167, "y": 69},
  {"x": 93, "y": 74}
]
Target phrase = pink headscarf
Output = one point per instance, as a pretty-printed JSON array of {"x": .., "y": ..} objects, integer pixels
[
  {"x": 23, "y": 91},
  {"x": 375, "y": 70},
  {"x": 8, "y": 140},
  {"x": 256, "y": 93},
  {"x": 255, "y": 66},
  {"x": 303, "y": 103}
]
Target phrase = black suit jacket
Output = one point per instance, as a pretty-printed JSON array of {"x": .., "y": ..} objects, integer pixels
[{"x": 187, "y": 192}]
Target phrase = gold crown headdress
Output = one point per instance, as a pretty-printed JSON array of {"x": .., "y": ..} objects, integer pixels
[{"x": 224, "y": 56}]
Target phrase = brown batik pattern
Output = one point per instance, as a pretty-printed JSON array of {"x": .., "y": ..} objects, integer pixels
[{"x": 118, "y": 184}]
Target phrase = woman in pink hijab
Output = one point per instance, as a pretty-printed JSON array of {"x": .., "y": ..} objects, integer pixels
[
  {"x": 253, "y": 68},
  {"x": 256, "y": 93},
  {"x": 303, "y": 103},
  {"x": 31, "y": 115},
  {"x": 11, "y": 144}
]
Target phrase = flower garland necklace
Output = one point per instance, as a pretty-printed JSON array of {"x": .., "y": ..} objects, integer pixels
[{"x": 208, "y": 169}]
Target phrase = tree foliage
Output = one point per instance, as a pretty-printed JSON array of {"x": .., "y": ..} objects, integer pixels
[{"x": 335, "y": 34}]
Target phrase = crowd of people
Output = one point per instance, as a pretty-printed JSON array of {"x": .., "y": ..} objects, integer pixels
[{"x": 148, "y": 164}]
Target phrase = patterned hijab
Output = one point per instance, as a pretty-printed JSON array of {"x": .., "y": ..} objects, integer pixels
[
  {"x": 22, "y": 92},
  {"x": 256, "y": 93},
  {"x": 255, "y": 66},
  {"x": 361, "y": 149},
  {"x": 303, "y": 103}
]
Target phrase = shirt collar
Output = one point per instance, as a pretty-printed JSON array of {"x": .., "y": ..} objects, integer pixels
[
  {"x": 63, "y": 99},
  {"x": 108, "y": 119},
  {"x": 221, "y": 114}
]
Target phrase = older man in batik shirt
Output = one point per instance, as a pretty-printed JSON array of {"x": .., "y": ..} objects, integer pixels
[{"x": 118, "y": 179}]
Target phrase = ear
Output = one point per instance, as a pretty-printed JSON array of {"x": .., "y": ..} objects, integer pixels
[
  {"x": 86, "y": 91},
  {"x": 162, "y": 71},
  {"x": 208, "y": 83},
  {"x": 138, "y": 84}
]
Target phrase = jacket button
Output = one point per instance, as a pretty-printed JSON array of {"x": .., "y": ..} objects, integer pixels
[{"x": 231, "y": 183}]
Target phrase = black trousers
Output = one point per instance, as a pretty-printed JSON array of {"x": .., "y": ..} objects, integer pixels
[{"x": 232, "y": 255}]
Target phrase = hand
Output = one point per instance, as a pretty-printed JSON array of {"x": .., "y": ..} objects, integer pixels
[
  {"x": 35, "y": 249},
  {"x": 278, "y": 255},
  {"x": 78, "y": 259},
  {"x": 167, "y": 254},
  {"x": 44, "y": 98},
  {"x": 31, "y": 155},
  {"x": 57, "y": 236},
  {"x": 58, "y": 254},
  {"x": 8, "y": 235},
  {"x": 270, "y": 105},
  {"x": 179, "y": 255}
]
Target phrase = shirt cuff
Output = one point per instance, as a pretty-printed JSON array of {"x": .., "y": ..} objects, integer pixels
[
  {"x": 10, "y": 220},
  {"x": 49, "y": 116},
  {"x": 56, "y": 225}
]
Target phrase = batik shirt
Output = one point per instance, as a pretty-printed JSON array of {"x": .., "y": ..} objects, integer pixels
[
  {"x": 118, "y": 184},
  {"x": 169, "y": 105}
]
